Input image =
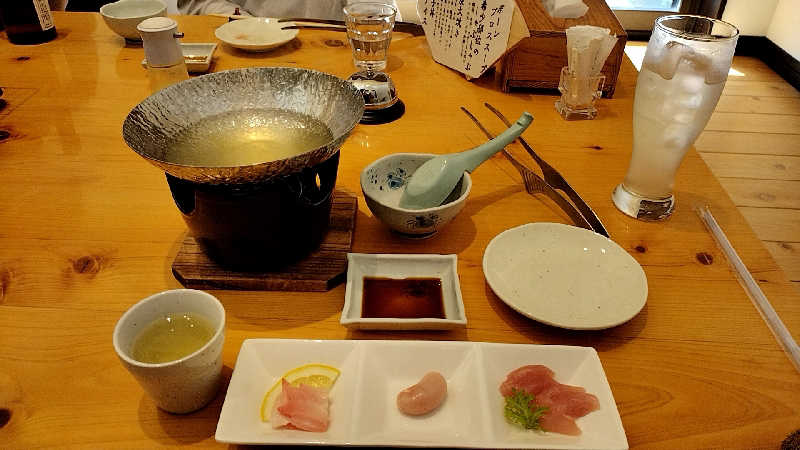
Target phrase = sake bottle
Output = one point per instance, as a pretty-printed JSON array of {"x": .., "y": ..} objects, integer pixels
[{"x": 27, "y": 21}]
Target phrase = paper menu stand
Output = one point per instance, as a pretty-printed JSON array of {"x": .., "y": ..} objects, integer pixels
[{"x": 471, "y": 35}]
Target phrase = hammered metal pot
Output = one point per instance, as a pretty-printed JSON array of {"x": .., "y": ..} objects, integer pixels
[
  {"x": 152, "y": 125},
  {"x": 256, "y": 216}
]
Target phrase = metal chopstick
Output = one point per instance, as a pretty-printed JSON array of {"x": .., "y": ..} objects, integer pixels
[
  {"x": 402, "y": 27},
  {"x": 314, "y": 27}
]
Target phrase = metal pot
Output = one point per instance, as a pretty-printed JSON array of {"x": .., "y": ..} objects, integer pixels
[
  {"x": 259, "y": 215},
  {"x": 154, "y": 123}
]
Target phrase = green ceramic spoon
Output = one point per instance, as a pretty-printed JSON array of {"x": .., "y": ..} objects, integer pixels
[{"x": 433, "y": 181}]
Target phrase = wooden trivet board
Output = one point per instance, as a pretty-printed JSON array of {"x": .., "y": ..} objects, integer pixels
[{"x": 320, "y": 271}]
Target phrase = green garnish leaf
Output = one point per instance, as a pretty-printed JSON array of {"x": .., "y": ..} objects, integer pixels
[{"x": 521, "y": 410}]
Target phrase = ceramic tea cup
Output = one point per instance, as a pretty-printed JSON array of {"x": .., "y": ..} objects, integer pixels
[{"x": 185, "y": 384}]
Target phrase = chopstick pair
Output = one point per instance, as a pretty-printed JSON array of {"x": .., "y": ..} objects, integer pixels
[
  {"x": 339, "y": 25},
  {"x": 334, "y": 25},
  {"x": 580, "y": 212},
  {"x": 314, "y": 27}
]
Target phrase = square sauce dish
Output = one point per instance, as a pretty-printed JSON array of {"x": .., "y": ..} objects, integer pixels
[{"x": 402, "y": 292}]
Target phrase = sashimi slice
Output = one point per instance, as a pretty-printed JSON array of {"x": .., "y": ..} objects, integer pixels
[
  {"x": 304, "y": 407},
  {"x": 573, "y": 401},
  {"x": 559, "y": 423},
  {"x": 424, "y": 396},
  {"x": 564, "y": 403},
  {"x": 277, "y": 419},
  {"x": 532, "y": 379}
]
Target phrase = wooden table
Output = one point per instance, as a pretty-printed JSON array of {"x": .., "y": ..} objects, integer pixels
[{"x": 87, "y": 228}]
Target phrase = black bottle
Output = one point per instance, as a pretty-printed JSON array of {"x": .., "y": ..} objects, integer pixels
[{"x": 28, "y": 21}]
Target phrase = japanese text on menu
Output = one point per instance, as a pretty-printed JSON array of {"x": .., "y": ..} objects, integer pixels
[{"x": 472, "y": 33}]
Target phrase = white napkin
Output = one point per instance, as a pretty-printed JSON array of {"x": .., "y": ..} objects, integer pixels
[
  {"x": 588, "y": 48},
  {"x": 565, "y": 9}
]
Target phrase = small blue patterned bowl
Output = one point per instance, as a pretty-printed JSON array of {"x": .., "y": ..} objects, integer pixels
[{"x": 383, "y": 183}]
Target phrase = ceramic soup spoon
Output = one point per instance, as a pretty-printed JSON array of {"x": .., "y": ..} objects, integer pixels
[{"x": 433, "y": 181}]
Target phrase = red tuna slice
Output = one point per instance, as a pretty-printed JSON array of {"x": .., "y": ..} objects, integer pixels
[
  {"x": 559, "y": 423},
  {"x": 305, "y": 407},
  {"x": 532, "y": 379},
  {"x": 565, "y": 403},
  {"x": 573, "y": 401}
]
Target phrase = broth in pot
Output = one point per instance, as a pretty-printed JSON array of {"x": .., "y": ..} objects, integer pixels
[{"x": 249, "y": 136}]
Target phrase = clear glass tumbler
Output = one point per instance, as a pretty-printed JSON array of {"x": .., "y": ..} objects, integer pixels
[
  {"x": 578, "y": 95},
  {"x": 682, "y": 76},
  {"x": 369, "y": 29}
]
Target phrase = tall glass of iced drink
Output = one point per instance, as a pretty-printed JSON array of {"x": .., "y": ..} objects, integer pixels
[{"x": 682, "y": 76}]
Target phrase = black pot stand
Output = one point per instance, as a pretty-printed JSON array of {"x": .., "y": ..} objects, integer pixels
[{"x": 261, "y": 225}]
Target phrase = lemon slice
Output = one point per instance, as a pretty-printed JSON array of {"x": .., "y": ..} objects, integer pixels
[{"x": 316, "y": 375}]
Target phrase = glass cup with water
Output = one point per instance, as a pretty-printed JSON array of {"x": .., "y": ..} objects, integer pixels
[
  {"x": 682, "y": 77},
  {"x": 369, "y": 29}
]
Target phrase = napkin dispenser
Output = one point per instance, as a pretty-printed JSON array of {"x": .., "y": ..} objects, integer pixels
[{"x": 536, "y": 61}]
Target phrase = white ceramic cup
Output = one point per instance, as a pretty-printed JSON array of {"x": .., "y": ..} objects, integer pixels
[{"x": 186, "y": 384}]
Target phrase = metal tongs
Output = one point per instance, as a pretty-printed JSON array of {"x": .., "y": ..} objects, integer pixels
[
  {"x": 582, "y": 216},
  {"x": 339, "y": 25}
]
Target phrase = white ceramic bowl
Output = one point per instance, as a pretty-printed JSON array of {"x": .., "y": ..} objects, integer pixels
[
  {"x": 383, "y": 183},
  {"x": 188, "y": 383},
  {"x": 256, "y": 34},
  {"x": 123, "y": 16}
]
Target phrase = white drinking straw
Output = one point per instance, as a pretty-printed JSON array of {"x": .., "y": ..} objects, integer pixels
[{"x": 750, "y": 286}]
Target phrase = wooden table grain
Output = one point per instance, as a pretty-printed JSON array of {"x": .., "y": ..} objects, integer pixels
[{"x": 87, "y": 228}]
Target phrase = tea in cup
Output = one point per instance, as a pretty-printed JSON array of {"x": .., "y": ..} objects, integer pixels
[{"x": 171, "y": 342}]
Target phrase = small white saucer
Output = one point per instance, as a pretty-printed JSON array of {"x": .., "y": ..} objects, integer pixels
[
  {"x": 255, "y": 34},
  {"x": 565, "y": 276},
  {"x": 360, "y": 265}
]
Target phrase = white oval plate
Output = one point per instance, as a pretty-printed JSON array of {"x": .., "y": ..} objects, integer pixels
[
  {"x": 256, "y": 34},
  {"x": 565, "y": 276}
]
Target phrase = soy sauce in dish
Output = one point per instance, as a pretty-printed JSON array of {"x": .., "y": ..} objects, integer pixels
[{"x": 407, "y": 298}]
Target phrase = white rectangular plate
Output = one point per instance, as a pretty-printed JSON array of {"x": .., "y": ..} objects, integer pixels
[{"x": 363, "y": 410}]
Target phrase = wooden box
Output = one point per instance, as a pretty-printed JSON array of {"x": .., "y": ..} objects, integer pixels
[{"x": 536, "y": 61}]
